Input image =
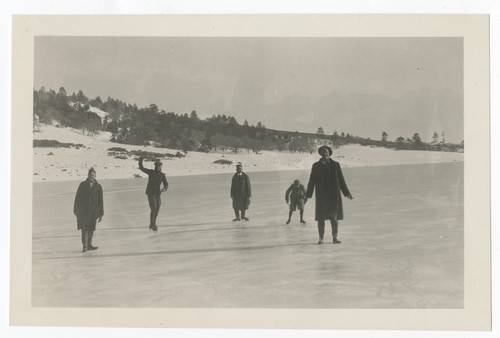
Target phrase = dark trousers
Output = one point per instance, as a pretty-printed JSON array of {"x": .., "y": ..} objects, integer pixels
[
  {"x": 87, "y": 237},
  {"x": 321, "y": 228},
  {"x": 154, "y": 205},
  {"x": 301, "y": 215},
  {"x": 237, "y": 213}
]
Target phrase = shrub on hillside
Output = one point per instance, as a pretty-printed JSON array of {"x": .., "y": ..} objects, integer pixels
[
  {"x": 55, "y": 144},
  {"x": 118, "y": 149},
  {"x": 152, "y": 156},
  {"x": 118, "y": 152},
  {"x": 222, "y": 161}
]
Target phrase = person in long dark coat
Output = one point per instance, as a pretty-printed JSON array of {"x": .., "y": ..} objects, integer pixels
[
  {"x": 88, "y": 208},
  {"x": 153, "y": 191},
  {"x": 326, "y": 177},
  {"x": 241, "y": 192}
]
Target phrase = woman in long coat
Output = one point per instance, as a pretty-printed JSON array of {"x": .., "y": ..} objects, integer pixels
[
  {"x": 326, "y": 177},
  {"x": 88, "y": 208},
  {"x": 241, "y": 192}
]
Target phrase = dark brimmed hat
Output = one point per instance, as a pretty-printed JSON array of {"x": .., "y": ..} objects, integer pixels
[
  {"x": 327, "y": 147},
  {"x": 158, "y": 164},
  {"x": 91, "y": 170}
]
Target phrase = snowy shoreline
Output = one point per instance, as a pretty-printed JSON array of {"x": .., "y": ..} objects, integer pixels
[{"x": 71, "y": 164}]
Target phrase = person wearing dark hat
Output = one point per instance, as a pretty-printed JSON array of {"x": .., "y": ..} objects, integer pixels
[
  {"x": 88, "y": 208},
  {"x": 241, "y": 192},
  {"x": 295, "y": 195},
  {"x": 327, "y": 179},
  {"x": 153, "y": 191}
]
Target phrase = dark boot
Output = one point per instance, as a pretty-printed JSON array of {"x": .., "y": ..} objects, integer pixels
[
  {"x": 89, "y": 243},
  {"x": 321, "y": 231},
  {"x": 237, "y": 214},
  {"x": 335, "y": 230},
  {"x": 152, "y": 219},
  {"x": 243, "y": 216},
  {"x": 158, "y": 205},
  {"x": 154, "y": 205},
  {"x": 84, "y": 240}
]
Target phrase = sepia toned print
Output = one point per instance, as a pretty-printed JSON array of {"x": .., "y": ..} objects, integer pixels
[
  {"x": 377, "y": 118},
  {"x": 194, "y": 223}
]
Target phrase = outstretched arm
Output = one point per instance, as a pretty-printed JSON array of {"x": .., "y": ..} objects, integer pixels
[
  {"x": 343, "y": 185},
  {"x": 249, "y": 188},
  {"x": 302, "y": 190},
  {"x": 165, "y": 183},
  {"x": 311, "y": 184},
  {"x": 303, "y": 193},
  {"x": 287, "y": 193}
]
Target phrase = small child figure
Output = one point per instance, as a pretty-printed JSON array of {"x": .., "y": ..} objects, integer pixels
[{"x": 295, "y": 196}]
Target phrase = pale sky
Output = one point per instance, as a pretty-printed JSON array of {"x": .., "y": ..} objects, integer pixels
[{"x": 362, "y": 86}]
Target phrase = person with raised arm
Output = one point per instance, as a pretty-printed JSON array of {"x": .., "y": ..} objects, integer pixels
[{"x": 153, "y": 190}]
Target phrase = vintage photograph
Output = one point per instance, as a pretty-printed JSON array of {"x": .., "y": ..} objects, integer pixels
[
  {"x": 192, "y": 177},
  {"x": 167, "y": 172}
]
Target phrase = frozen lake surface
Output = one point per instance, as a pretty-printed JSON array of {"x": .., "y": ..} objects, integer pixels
[{"x": 402, "y": 245}]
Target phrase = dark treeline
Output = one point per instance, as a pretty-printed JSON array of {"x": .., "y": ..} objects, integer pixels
[
  {"x": 50, "y": 106},
  {"x": 129, "y": 124}
]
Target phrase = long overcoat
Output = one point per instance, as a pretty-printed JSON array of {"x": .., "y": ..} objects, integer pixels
[
  {"x": 89, "y": 205},
  {"x": 327, "y": 179},
  {"x": 241, "y": 191}
]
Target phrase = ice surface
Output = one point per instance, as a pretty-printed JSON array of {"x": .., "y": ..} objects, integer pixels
[{"x": 402, "y": 245}]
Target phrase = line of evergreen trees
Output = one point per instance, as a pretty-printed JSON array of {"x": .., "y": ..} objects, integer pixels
[
  {"x": 129, "y": 124},
  {"x": 49, "y": 106}
]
